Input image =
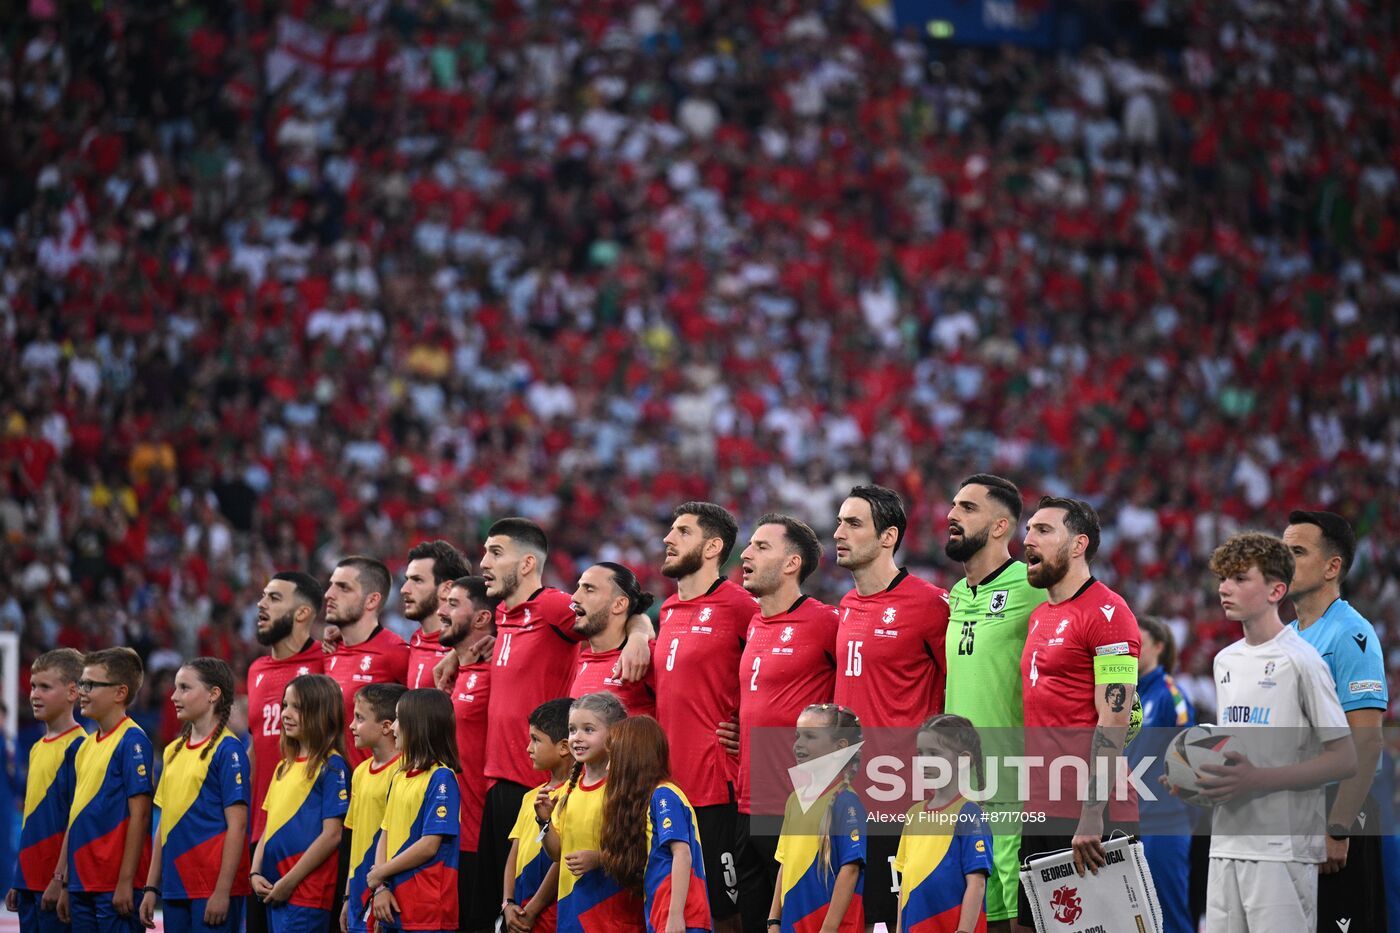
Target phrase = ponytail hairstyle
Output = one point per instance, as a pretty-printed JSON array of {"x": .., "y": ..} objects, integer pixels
[
  {"x": 427, "y": 734},
  {"x": 845, "y": 727},
  {"x": 214, "y": 674},
  {"x": 639, "y": 758},
  {"x": 638, "y": 600},
  {"x": 959, "y": 735},
  {"x": 322, "y": 709},
  {"x": 1164, "y": 637},
  {"x": 610, "y": 709}
]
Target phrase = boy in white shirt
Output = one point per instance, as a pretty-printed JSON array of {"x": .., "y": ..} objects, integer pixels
[{"x": 1267, "y": 830}]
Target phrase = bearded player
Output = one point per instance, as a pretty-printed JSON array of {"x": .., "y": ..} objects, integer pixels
[
  {"x": 989, "y": 613},
  {"x": 1078, "y": 673},
  {"x": 696, "y": 661},
  {"x": 428, "y": 578}
]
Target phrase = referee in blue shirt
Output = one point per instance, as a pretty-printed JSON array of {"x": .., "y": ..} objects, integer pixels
[{"x": 1351, "y": 884}]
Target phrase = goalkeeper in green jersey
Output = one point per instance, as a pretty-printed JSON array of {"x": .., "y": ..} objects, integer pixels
[{"x": 989, "y": 609}]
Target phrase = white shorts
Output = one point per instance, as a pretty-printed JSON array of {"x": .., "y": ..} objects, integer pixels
[{"x": 1260, "y": 897}]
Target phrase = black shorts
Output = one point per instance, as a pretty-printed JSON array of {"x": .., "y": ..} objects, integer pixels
[
  {"x": 732, "y": 876},
  {"x": 723, "y": 836},
  {"x": 1055, "y": 834},
  {"x": 501, "y": 807},
  {"x": 1355, "y": 896},
  {"x": 758, "y": 872},
  {"x": 476, "y": 908},
  {"x": 881, "y": 897},
  {"x": 256, "y": 912}
]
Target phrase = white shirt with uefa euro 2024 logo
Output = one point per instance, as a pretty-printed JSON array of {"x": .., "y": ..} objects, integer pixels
[{"x": 1280, "y": 703}]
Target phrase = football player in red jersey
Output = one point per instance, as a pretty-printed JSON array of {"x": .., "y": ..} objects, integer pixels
[
  {"x": 533, "y": 661},
  {"x": 1078, "y": 671},
  {"x": 367, "y": 653},
  {"x": 890, "y": 660},
  {"x": 289, "y": 605},
  {"x": 607, "y": 597},
  {"x": 468, "y": 622},
  {"x": 789, "y": 660},
  {"x": 432, "y": 566},
  {"x": 697, "y": 689}
]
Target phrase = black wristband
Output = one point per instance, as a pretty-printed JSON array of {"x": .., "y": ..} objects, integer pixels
[
  {"x": 1338, "y": 832},
  {"x": 151, "y": 889},
  {"x": 775, "y": 923}
]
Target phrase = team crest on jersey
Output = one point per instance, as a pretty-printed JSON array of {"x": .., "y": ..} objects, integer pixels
[
  {"x": 301, "y": 672},
  {"x": 706, "y": 613},
  {"x": 1060, "y": 629},
  {"x": 238, "y": 778},
  {"x": 1269, "y": 669},
  {"x": 666, "y": 823},
  {"x": 526, "y": 623},
  {"x": 787, "y": 634},
  {"x": 471, "y": 681},
  {"x": 365, "y": 662},
  {"x": 998, "y": 602},
  {"x": 888, "y": 617}
]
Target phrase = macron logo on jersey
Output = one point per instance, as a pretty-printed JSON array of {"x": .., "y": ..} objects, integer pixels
[
  {"x": 258, "y": 682},
  {"x": 1108, "y": 612},
  {"x": 1360, "y": 641}
]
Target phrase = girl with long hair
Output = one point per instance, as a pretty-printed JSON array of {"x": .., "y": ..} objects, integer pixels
[
  {"x": 294, "y": 865},
  {"x": 945, "y": 850},
  {"x": 650, "y": 839},
  {"x": 821, "y": 850},
  {"x": 414, "y": 878},
  {"x": 590, "y": 899},
  {"x": 203, "y": 802}
]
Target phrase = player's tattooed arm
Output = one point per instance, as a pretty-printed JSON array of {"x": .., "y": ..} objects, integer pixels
[{"x": 1116, "y": 696}]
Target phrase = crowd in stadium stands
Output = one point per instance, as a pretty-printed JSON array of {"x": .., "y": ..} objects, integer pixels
[{"x": 583, "y": 261}]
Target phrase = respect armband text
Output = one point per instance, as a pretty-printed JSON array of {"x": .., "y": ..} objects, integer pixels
[{"x": 1115, "y": 669}]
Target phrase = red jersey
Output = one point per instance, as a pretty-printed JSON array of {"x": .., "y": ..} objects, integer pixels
[
  {"x": 536, "y": 650},
  {"x": 696, "y": 660},
  {"x": 382, "y": 658},
  {"x": 424, "y": 650},
  {"x": 789, "y": 663},
  {"x": 889, "y": 653},
  {"x": 1064, "y": 643},
  {"x": 469, "y": 698},
  {"x": 595, "y": 674},
  {"x": 267, "y": 680}
]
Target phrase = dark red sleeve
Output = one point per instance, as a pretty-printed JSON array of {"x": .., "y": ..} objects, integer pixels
[
  {"x": 559, "y": 613},
  {"x": 935, "y": 618}
]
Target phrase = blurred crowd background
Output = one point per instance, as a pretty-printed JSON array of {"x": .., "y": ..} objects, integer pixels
[{"x": 284, "y": 282}]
